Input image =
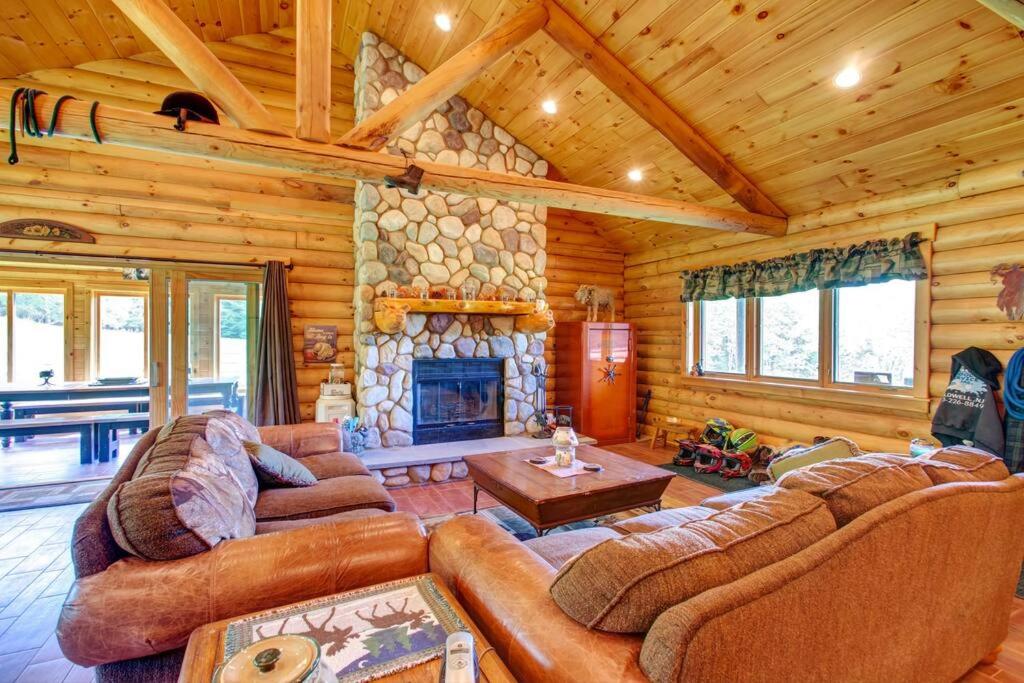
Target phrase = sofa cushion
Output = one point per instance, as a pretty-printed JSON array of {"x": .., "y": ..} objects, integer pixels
[
  {"x": 557, "y": 549},
  {"x": 962, "y": 463},
  {"x": 853, "y": 486},
  {"x": 221, "y": 434},
  {"x": 623, "y": 584},
  {"x": 326, "y": 497},
  {"x": 653, "y": 521},
  {"x": 289, "y": 524},
  {"x": 802, "y": 456},
  {"x": 184, "y": 502},
  {"x": 329, "y": 465},
  {"x": 274, "y": 468}
]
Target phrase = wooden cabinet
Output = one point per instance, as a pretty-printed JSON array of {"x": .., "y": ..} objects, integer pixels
[{"x": 595, "y": 373}]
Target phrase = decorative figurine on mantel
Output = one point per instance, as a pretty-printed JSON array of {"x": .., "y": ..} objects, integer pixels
[{"x": 595, "y": 299}]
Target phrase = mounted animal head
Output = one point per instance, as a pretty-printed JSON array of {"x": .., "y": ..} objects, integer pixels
[
  {"x": 390, "y": 315},
  {"x": 1011, "y": 299},
  {"x": 540, "y": 321}
]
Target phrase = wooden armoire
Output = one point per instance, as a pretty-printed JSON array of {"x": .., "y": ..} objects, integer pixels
[{"x": 595, "y": 373}]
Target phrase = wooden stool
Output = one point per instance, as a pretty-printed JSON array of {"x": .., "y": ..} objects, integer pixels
[{"x": 662, "y": 431}]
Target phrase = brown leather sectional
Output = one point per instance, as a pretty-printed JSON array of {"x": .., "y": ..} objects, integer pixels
[
  {"x": 876, "y": 568},
  {"x": 913, "y": 583},
  {"x": 131, "y": 617}
]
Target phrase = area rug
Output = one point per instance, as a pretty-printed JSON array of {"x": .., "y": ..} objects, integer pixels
[
  {"x": 521, "y": 529},
  {"x": 712, "y": 480},
  {"x": 51, "y": 495}
]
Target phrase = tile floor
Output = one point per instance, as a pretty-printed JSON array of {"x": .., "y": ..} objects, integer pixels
[{"x": 35, "y": 575}]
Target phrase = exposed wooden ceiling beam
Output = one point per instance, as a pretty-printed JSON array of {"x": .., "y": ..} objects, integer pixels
[
  {"x": 162, "y": 26},
  {"x": 313, "y": 70},
  {"x": 617, "y": 77},
  {"x": 149, "y": 131},
  {"x": 416, "y": 103},
  {"x": 1011, "y": 10}
]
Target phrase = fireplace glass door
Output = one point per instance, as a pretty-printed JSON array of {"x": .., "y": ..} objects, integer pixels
[{"x": 455, "y": 400}]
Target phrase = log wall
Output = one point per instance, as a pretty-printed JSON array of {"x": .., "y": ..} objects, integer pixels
[{"x": 980, "y": 219}]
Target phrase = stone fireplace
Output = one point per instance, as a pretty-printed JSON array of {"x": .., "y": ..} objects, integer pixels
[{"x": 436, "y": 239}]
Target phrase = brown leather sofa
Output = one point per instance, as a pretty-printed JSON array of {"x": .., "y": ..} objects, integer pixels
[
  {"x": 912, "y": 586},
  {"x": 131, "y": 618}
]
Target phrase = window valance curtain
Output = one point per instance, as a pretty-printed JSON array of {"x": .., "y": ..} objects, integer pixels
[{"x": 860, "y": 264}]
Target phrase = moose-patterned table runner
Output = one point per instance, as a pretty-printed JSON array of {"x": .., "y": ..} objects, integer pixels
[{"x": 363, "y": 634}]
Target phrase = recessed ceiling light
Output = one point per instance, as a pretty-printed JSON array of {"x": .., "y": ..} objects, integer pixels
[
  {"x": 443, "y": 21},
  {"x": 549, "y": 106},
  {"x": 847, "y": 78},
  {"x": 636, "y": 175}
]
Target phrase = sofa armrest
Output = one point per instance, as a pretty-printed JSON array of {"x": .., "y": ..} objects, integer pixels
[
  {"x": 503, "y": 585},
  {"x": 301, "y": 440},
  {"x": 137, "y": 608}
]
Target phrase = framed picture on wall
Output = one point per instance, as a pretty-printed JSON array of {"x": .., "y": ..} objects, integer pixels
[{"x": 320, "y": 343}]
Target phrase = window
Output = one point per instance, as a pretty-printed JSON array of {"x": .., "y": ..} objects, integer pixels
[
  {"x": 723, "y": 336},
  {"x": 120, "y": 335},
  {"x": 788, "y": 333},
  {"x": 231, "y": 339},
  {"x": 874, "y": 334},
  {"x": 852, "y": 338},
  {"x": 33, "y": 336}
]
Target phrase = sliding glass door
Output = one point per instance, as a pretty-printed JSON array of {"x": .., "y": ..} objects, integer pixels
[{"x": 208, "y": 359}]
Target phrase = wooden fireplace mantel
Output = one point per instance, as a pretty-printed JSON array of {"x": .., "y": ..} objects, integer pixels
[{"x": 470, "y": 307}]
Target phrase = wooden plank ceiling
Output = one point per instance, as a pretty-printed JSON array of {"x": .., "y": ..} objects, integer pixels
[{"x": 942, "y": 87}]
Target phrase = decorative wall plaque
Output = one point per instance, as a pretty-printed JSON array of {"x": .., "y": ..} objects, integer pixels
[{"x": 44, "y": 229}]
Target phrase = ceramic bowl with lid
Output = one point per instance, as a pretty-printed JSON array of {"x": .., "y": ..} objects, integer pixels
[{"x": 280, "y": 659}]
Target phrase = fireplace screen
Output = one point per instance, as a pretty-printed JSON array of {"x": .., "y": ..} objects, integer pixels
[{"x": 457, "y": 399}]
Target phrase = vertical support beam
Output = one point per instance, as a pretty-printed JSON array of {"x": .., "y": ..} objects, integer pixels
[
  {"x": 416, "y": 103},
  {"x": 179, "y": 343},
  {"x": 162, "y": 26},
  {"x": 159, "y": 353},
  {"x": 313, "y": 70}
]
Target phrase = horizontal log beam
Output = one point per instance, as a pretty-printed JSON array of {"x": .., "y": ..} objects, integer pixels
[{"x": 148, "y": 131}]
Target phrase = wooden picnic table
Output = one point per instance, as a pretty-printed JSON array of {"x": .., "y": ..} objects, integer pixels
[{"x": 11, "y": 395}]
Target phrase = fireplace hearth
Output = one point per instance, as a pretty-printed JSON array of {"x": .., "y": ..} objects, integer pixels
[{"x": 457, "y": 399}]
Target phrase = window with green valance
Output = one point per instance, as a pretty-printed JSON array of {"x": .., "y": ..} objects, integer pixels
[{"x": 829, "y": 268}]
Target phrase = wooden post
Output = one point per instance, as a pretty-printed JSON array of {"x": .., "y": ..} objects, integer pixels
[
  {"x": 313, "y": 70},
  {"x": 568, "y": 33},
  {"x": 148, "y": 131},
  {"x": 162, "y": 26},
  {"x": 416, "y": 103}
]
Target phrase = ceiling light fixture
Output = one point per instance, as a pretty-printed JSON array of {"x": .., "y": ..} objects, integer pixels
[
  {"x": 549, "y": 106},
  {"x": 636, "y": 175},
  {"x": 443, "y": 21},
  {"x": 847, "y": 78}
]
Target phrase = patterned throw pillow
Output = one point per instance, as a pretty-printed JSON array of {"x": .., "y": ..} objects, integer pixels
[
  {"x": 274, "y": 468},
  {"x": 181, "y": 501}
]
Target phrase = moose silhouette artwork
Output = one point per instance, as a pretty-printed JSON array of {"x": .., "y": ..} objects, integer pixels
[
  {"x": 369, "y": 633},
  {"x": 331, "y": 637}
]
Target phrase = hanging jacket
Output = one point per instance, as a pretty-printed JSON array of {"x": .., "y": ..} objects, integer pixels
[
  {"x": 968, "y": 414},
  {"x": 1013, "y": 423}
]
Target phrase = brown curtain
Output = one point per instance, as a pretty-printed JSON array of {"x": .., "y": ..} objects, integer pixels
[{"x": 276, "y": 401}]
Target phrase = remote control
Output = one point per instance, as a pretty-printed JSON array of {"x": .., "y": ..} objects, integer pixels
[{"x": 459, "y": 658}]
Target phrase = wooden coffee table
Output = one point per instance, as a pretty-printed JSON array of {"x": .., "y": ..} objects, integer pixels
[
  {"x": 205, "y": 652},
  {"x": 547, "y": 501}
]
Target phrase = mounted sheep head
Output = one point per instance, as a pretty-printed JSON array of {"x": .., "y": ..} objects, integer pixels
[{"x": 541, "y": 320}]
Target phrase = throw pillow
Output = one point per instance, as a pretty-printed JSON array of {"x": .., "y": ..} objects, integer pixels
[
  {"x": 274, "y": 468},
  {"x": 622, "y": 584},
  {"x": 221, "y": 433},
  {"x": 181, "y": 501}
]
